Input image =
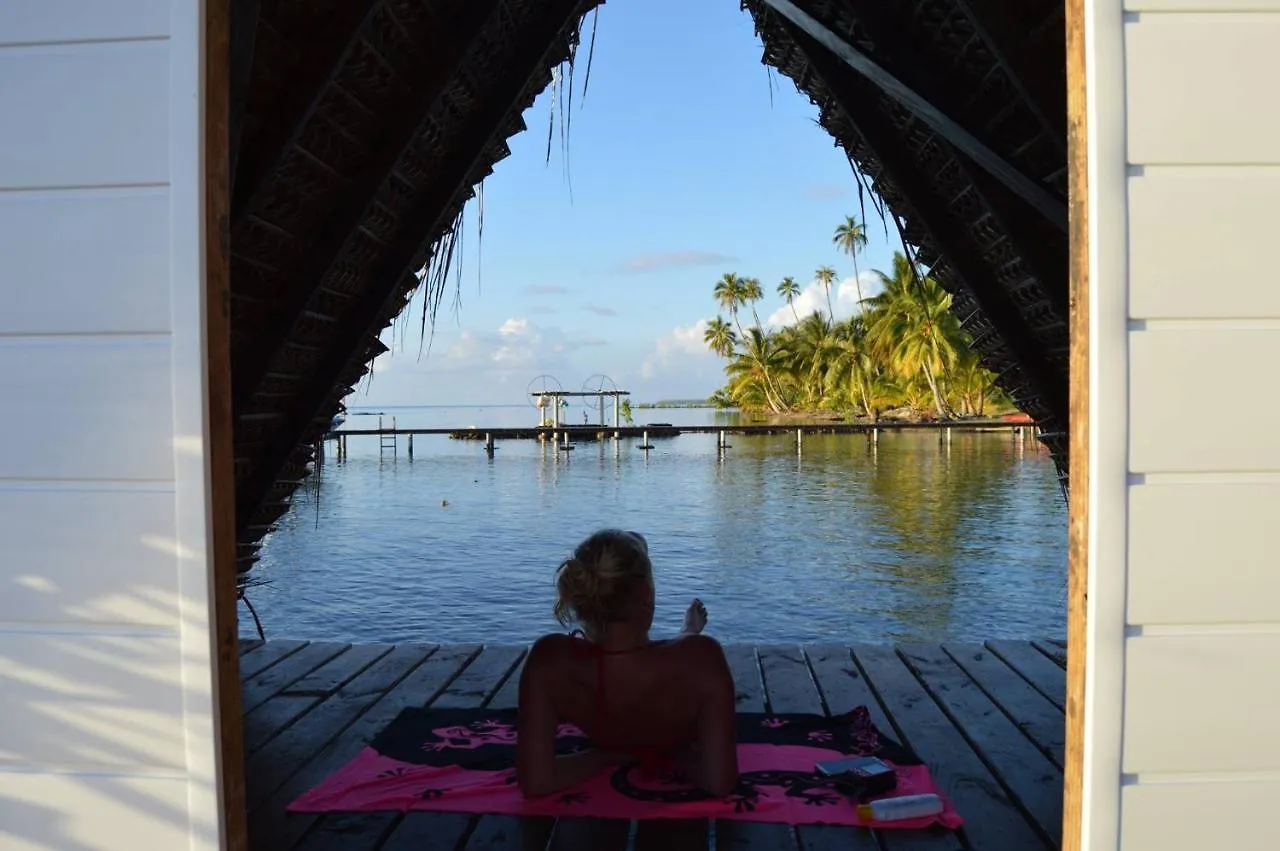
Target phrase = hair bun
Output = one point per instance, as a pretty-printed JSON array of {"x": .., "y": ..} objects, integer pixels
[{"x": 582, "y": 583}]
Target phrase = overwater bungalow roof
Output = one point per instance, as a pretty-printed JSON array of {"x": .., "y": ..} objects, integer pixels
[{"x": 360, "y": 129}]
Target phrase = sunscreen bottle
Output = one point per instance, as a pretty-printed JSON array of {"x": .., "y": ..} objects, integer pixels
[{"x": 903, "y": 807}]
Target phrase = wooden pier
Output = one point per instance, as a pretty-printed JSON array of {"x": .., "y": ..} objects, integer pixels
[
  {"x": 594, "y": 432},
  {"x": 988, "y": 719}
]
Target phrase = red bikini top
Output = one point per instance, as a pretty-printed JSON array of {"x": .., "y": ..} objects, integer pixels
[{"x": 648, "y": 756}]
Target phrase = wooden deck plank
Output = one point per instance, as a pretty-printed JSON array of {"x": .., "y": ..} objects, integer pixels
[
  {"x": 749, "y": 689},
  {"x": 789, "y": 687},
  {"x": 1041, "y": 672},
  {"x": 291, "y": 750},
  {"x": 502, "y": 833},
  {"x": 476, "y": 684},
  {"x": 1058, "y": 641},
  {"x": 1026, "y": 773},
  {"x": 257, "y": 661},
  {"x": 247, "y": 644},
  {"x": 255, "y": 691},
  {"x": 843, "y": 687},
  {"x": 1053, "y": 651},
  {"x": 993, "y": 822},
  {"x": 598, "y": 834},
  {"x": 1031, "y": 712},
  {"x": 295, "y": 700},
  {"x": 422, "y": 684}
]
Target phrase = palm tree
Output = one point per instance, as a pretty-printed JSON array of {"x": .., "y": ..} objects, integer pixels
[
  {"x": 728, "y": 294},
  {"x": 851, "y": 237},
  {"x": 827, "y": 276},
  {"x": 918, "y": 334},
  {"x": 812, "y": 345},
  {"x": 759, "y": 366},
  {"x": 719, "y": 337},
  {"x": 751, "y": 293},
  {"x": 789, "y": 290}
]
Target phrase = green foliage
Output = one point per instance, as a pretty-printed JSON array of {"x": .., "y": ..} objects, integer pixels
[{"x": 904, "y": 349}]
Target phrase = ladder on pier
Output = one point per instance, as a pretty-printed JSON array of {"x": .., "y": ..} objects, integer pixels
[{"x": 387, "y": 441}]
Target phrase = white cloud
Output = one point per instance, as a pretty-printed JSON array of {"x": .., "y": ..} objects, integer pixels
[
  {"x": 676, "y": 348},
  {"x": 813, "y": 299}
]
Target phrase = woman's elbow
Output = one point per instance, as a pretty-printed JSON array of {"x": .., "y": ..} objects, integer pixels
[
  {"x": 532, "y": 786},
  {"x": 722, "y": 786}
]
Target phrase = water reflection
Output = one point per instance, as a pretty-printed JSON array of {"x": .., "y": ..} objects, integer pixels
[{"x": 908, "y": 537}]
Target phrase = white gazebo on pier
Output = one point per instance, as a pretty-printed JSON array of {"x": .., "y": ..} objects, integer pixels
[{"x": 554, "y": 400}]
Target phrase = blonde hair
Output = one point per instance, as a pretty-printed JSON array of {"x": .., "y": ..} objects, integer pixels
[{"x": 594, "y": 584}]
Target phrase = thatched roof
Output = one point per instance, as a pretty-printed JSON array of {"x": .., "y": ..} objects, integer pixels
[{"x": 361, "y": 127}]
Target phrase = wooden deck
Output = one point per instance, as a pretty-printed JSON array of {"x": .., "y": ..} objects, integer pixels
[{"x": 987, "y": 719}]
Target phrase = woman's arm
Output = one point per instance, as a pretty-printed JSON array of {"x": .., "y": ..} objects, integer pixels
[
  {"x": 712, "y": 763},
  {"x": 538, "y": 770}
]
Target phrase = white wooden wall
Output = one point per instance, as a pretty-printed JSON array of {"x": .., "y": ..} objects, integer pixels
[
  {"x": 106, "y": 699},
  {"x": 1185, "y": 565}
]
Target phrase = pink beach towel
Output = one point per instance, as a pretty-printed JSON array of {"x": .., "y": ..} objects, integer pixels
[{"x": 463, "y": 760}]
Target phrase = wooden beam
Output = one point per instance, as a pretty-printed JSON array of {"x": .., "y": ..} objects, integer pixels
[
  {"x": 1030, "y": 190},
  {"x": 1003, "y": 27},
  {"x": 1078, "y": 495},
  {"x": 326, "y": 52},
  {"x": 438, "y": 65},
  {"x": 860, "y": 102},
  {"x": 1045, "y": 250},
  {"x": 1043, "y": 245},
  {"x": 222, "y": 528},
  {"x": 466, "y": 153},
  {"x": 244, "y": 34}
]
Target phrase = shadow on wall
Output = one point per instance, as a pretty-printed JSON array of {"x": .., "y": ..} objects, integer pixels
[{"x": 93, "y": 739}]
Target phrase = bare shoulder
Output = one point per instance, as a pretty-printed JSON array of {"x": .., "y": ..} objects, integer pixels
[{"x": 547, "y": 650}]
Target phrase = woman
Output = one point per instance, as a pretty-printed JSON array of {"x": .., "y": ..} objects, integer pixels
[{"x": 638, "y": 700}]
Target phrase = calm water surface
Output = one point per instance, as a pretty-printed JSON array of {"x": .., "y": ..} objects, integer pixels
[{"x": 907, "y": 540}]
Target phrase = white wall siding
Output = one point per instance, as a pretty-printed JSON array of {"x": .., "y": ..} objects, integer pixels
[
  {"x": 1178, "y": 218},
  {"x": 106, "y": 666},
  {"x": 56, "y": 812},
  {"x": 1197, "y": 399},
  {"x": 1203, "y": 553},
  {"x": 116, "y": 246},
  {"x": 1200, "y": 816},
  {"x": 92, "y": 114},
  {"x": 1199, "y": 755}
]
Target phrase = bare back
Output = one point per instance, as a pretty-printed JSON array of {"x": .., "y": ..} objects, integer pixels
[{"x": 652, "y": 696}]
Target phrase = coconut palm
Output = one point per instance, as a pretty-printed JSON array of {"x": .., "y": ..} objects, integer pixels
[
  {"x": 851, "y": 237},
  {"x": 759, "y": 366},
  {"x": 751, "y": 292},
  {"x": 728, "y": 294},
  {"x": 918, "y": 336},
  {"x": 790, "y": 290},
  {"x": 905, "y": 348},
  {"x": 826, "y": 276},
  {"x": 719, "y": 337}
]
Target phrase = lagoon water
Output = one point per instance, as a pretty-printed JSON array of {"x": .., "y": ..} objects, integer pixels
[{"x": 909, "y": 539}]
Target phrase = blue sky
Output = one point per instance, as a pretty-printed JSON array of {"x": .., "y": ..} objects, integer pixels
[{"x": 681, "y": 170}]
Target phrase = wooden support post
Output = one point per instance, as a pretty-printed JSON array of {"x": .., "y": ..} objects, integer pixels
[
  {"x": 488, "y": 444},
  {"x": 644, "y": 444},
  {"x": 410, "y": 447},
  {"x": 799, "y": 441}
]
